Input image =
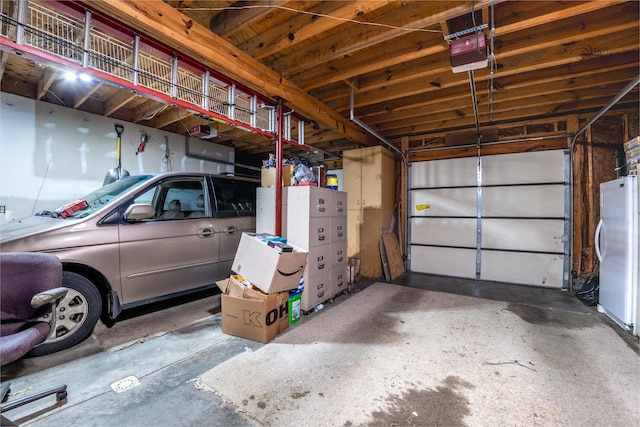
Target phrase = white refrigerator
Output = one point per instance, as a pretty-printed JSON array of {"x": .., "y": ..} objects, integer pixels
[{"x": 616, "y": 243}]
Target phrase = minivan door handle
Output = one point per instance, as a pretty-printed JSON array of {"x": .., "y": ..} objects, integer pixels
[
  {"x": 230, "y": 230},
  {"x": 206, "y": 232}
]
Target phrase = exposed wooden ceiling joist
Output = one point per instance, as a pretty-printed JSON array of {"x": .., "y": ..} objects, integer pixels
[
  {"x": 552, "y": 58},
  {"x": 162, "y": 22}
]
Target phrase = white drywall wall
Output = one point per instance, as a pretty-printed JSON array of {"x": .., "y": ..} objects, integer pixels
[{"x": 51, "y": 155}]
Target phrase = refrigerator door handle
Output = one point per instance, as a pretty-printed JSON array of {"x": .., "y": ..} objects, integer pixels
[{"x": 597, "y": 240}]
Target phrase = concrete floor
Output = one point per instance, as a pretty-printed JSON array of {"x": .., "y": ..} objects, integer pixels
[{"x": 165, "y": 347}]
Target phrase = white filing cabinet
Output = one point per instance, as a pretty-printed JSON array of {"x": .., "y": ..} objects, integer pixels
[{"x": 317, "y": 222}]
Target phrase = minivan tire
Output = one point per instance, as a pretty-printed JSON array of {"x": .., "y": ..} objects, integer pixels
[{"x": 78, "y": 312}]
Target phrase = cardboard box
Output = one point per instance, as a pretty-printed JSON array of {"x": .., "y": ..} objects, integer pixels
[
  {"x": 632, "y": 143},
  {"x": 251, "y": 314},
  {"x": 268, "y": 269},
  {"x": 269, "y": 176}
]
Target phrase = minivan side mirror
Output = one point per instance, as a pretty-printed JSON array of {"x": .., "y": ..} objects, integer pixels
[{"x": 139, "y": 212}]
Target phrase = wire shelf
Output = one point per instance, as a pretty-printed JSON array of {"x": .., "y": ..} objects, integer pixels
[
  {"x": 9, "y": 14},
  {"x": 63, "y": 35},
  {"x": 243, "y": 108},
  {"x": 53, "y": 32},
  {"x": 110, "y": 55},
  {"x": 218, "y": 99},
  {"x": 189, "y": 87},
  {"x": 154, "y": 73},
  {"x": 264, "y": 119}
]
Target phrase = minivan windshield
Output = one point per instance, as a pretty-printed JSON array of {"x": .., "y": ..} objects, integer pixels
[{"x": 97, "y": 199}]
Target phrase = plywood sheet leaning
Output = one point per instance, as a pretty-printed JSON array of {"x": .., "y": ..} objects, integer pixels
[{"x": 394, "y": 255}]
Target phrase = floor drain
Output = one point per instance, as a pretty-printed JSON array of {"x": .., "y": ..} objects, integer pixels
[{"x": 125, "y": 384}]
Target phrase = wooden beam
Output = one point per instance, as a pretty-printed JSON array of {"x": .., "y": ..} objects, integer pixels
[
  {"x": 117, "y": 101},
  {"x": 572, "y": 9},
  {"x": 322, "y": 17},
  {"x": 486, "y": 150},
  {"x": 346, "y": 43},
  {"x": 3, "y": 63},
  {"x": 409, "y": 48},
  {"x": 232, "y": 20},
  {"x": 85, "y": 93},
  {"x": 172, "y": 115},
  {"x": 44, "y": 84},
  {"x": 161, "y": 22},
  {"x": 449, "y": 86},
  {"x": 12, "y": 11},
  {"x": 149, "y": 110},
  {"x": 561, "y": 91},
  {"x": 543, "y": 52},
  {"x": 444, "y": 121},
  {"x": 318, "y": 75}
]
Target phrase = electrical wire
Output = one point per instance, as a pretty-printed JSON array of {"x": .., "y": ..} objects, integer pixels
[
  {"x": 181, "y": 122},
  {"x": 57, "y": 97},
  {"x": 156, "y": 112},
  {"x": 321, "y": 15},
  {"x": 40, "y": 189}
]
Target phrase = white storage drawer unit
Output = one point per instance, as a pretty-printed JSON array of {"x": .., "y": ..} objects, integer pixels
[
  {"x": 317, "y": 222},
  {"x": 308, "y": 231}
]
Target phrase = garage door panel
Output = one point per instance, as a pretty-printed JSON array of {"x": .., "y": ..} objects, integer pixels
[
  {"x": 500, "y": 219},
  {"x": 523, "y": 201},
  {"x": 445, "y": 231},
  {"x": 524, "y": 268},
  {"x": 524, "y": 168},
  {"x": 444, "y": 173},
  {"x": 443, "y": 261},
  {"x": 523, "y": 234},
  {"x": 445, "y": 202}
]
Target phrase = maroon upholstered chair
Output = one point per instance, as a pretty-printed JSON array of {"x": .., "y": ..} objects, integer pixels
[{"x": 30, "y": 288}]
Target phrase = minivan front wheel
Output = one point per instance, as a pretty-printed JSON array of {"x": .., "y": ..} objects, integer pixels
[{"x": 77, "y": 314}]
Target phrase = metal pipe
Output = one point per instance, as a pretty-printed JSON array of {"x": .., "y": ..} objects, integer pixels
[
  {"x": 136, "y": 60},
  {"x": 23, "y": 12},
  {"x": 301, "y": 132},
  {"x": 231, "y": 99},
  {"x": 173, "y": 88},
  {"x": 253, "y": 106},
  {"x": 606, "y": 108},
  {"x": 580, "y": 131},
  {"x": 205, "y": 90},
  {"x": 492, "y": 58},
  {"x": 279, "y": 144},
  {"x": 87, "y": 39},
  {"x": 366, "y": 127},
  {"x": 405, "y": 162}
]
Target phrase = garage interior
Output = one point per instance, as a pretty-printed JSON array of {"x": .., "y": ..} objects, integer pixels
[{"x": 485, "y": 169}]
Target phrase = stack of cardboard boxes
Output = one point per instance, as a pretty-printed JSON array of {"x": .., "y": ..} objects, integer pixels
[
  {"x": 632, "y": 152},
  {"x": 255, "y": 302},
  {"x": 268, "y": 176}
]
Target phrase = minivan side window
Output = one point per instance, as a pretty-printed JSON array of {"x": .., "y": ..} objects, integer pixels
[
  {"x": 235, "y": 197},
  {"x": 176, "y": 199}
]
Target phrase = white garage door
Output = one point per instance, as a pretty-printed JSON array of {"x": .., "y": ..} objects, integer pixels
[{"x": 503, "y": 218}]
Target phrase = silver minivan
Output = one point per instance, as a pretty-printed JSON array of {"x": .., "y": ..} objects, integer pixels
[{"x": 136, "y": 241}]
